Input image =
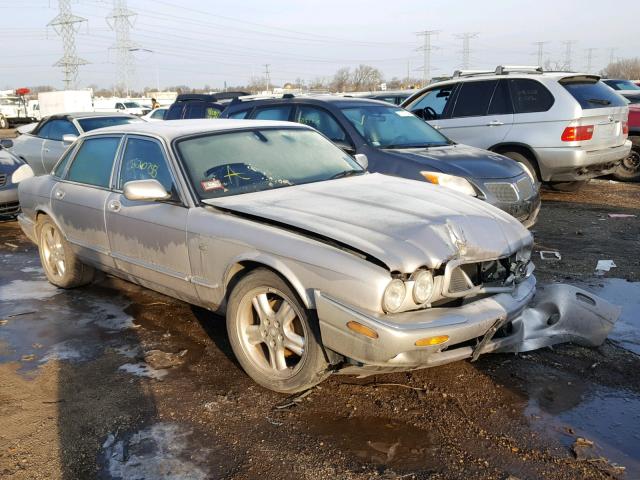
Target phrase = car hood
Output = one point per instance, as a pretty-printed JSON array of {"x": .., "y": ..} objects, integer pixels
[
  {"x": 8, "y": 162},
  {"x": 461, "y": 160},
  {"x": 402, "y": 223}
]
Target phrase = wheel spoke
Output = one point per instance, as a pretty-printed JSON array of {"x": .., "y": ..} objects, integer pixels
[
  {"x": 285, "y": 314},
  {"x": 253, "y": 335},
  {"x": 262, "y": 307},
  {"x": 294, "y": 342},
  {"x": 277, "y": 358},
  {"x": 48, "y": 238}
]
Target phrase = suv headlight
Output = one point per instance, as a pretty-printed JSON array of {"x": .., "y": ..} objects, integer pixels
[
  {"x": 21, "y": 173},
  {"x": 458, "y": 184},
  {"x": 393, "y": 296},
  {"x": 422, "y": 286}
]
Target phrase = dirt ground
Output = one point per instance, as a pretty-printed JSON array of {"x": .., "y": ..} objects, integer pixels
[{"x": 80, "y": 399}]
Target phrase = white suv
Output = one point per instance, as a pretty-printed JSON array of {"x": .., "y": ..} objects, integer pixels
[{"x": 564, "y": 127}]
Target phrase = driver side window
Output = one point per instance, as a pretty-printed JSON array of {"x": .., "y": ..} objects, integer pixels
[
  {"x": 432, "y": 105},
  {"x": 142, "y": 160}
]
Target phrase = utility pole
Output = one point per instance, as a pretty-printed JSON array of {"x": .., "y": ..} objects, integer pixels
[
  {"x": 568, "y": 56},
  {"x": 267, "y": 75},
  {"x": 66, "y": 24},
  {"x": 540, "y": 52},
  {"x": 466, "y": 48},
  {"x": 426, "y": 49},
  {"x": 121, "y": 20},
  {"x": 590, "y": 58}
]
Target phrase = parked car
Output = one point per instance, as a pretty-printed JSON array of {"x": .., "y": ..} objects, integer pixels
[
  {"x": 622, "y": 86},
  {"x": 397, "y": 143},
  {"x": 12, "y": 172},
  {"x": 396, "y": 97},
  {"x": 193, "y": 106},
  {"x": 43, "y": 146},
  {"x": 318, "y": 265},
  {"x": 629, "y": 169},
  {"x": 156, "y": 115},
  {"x": 564, "y": 127}
]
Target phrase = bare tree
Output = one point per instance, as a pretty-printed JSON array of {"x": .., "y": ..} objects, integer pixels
[
  {"x": 341, "y": 80},
  {"x": 366, "y": 77},
  {"x": 627, "y": 68}
]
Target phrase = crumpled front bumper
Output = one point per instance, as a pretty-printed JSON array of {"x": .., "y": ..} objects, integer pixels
[{"x": 525, "y": 319}]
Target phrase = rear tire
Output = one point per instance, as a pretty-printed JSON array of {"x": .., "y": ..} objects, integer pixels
[
  {"x": 629, "y": 169},
  {"x": 568, "y": 186},
  {"x": 525, "y": 162},
  {"x": 62, "y": 267},
  {"x": 4, "y": 123},
  {"x": 275, "y": 339}
]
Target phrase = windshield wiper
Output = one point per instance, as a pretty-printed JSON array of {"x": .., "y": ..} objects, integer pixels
[
  {"x": 599, "y": 101},
  {"x": 416, "y": 145},
  {"x": 346, "y": 173}
]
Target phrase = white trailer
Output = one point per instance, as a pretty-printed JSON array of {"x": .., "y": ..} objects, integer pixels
[{"x": 65, "y": 101}]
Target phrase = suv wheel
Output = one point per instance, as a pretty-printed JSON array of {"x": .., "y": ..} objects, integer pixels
[
  {"x": 525, "y": 162},
  {"x": 629, "y": 169},
  {"x": 273, "y": 335}
]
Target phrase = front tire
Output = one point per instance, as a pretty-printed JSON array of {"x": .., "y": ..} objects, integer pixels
[
  {"x": 4, "y": 123},
  {"x": 272, "y": 335},
  {"x": 629, "y": 169},
  {"x": 60, "y": 264}
]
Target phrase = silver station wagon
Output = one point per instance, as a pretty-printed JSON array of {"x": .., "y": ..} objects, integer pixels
[{"x": 319, "y": 266}]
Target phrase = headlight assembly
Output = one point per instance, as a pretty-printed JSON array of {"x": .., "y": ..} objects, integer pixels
[
  {"x": 422, "y": 286},
  {"x": 21, "y": 173},
  {"x": 458, "y": 184},
  {"x": 394, "y": 294}
]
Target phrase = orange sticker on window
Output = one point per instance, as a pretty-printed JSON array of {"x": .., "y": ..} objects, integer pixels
[{"x": 211, "y": 184}]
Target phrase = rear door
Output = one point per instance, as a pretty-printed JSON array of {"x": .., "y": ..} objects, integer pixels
[
  {"x": 78, "y": 201},
  {"x": 482, "y": 114},
  {"x": 602, "y": 108}
]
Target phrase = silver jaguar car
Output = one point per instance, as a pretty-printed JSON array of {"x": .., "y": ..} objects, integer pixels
[{"x": 319, "y": 266}]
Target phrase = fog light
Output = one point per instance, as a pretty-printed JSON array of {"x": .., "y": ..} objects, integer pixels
[
  {"x": 429, "y": 341},
  {"x": 362, "y": 329}
]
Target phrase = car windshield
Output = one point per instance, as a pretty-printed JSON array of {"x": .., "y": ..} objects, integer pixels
[
  {"x": 88, "y": 124},
  {"x": 622, "y": 85},
  {"x": 388, "y": 127},
  {"x": 233, "y": 163},
  {"x": 131, "y": 105},
  {"x": 10, "y": 101}
]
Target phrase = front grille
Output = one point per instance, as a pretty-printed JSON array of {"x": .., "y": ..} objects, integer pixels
[
  {"x": 3, "y": 179},
  {"x": 459, "y": 281},
  {"x": 10, "y": 208},
  {"x": 504, "y": 192},
  {"x": 525, "y": 187}
]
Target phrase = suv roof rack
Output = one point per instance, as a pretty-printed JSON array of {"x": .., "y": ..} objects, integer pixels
[
  {"x": 208, "y": 97},
  {"x": 470, "y": 73},
  {"x": 505, "y": 69}
]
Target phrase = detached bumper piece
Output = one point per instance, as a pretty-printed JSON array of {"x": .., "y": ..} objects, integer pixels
[{"x": 505, "y": 322}]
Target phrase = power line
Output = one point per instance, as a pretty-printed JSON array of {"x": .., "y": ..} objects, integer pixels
[
  {"x": 466, "y": 47},
  {"x": 267, "y": 76},
  {"x": 590, "y": 58},
  {"x": 568, "y": 54},
  {"x": 121, "y": 20},
  {"x": 540, "y": 52},
  {"x": 426, "y": 51},
  {"x": 66, "y": 24}
]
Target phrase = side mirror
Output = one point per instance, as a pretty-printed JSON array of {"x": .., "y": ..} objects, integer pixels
[
  {"x": 362, "y": 160},
  {"x": 345, "y": 147},
  {"x": 148, "y": 190},
  {"x": 69, "y": 138},
  {"x": 6, "y": 143}
]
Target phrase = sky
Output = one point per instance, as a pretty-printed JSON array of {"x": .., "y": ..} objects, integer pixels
[{"x": 199, "y": 42}]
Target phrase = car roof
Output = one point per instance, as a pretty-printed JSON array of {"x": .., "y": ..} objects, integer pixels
[
  {"x": 79, "y": 115},
  {"x": 338, "y": 101},
  {"x": 171, "y": 129}
]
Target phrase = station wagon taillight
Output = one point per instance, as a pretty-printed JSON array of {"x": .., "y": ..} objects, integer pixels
[
  {"x": 625, "y": 128},
  {"x": 577, "y": 134}
]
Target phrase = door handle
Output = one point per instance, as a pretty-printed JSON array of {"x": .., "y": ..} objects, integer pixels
[
  {"x": 46, "y": 150},
  {"x": 495, "y": 123},
  {"x": 114, "y": 206},
  {"x": 59, "y": 194}
]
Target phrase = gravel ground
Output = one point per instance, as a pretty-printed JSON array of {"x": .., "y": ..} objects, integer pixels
[{"x": 80, "y": 397}]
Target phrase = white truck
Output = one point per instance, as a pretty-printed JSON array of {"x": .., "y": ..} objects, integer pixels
[
  {"x": 13, "y": 109},
  {"x": 120, "y": 105},
  {"x": 65, "y": 101}
]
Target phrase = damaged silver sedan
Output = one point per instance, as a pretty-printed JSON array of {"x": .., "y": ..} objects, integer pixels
[{"x": 319, "y": 266}]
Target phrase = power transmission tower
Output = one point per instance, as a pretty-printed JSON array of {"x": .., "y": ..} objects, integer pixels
[
  {"x": 66, "y": 24},
  {"x": 267, "y": 75},
  {"x": 466, "y": 48},
  {"x": 426, "y": 49},
  {"x": 568, "y": 54},
  {"x": 540, "y": 52},
  {"x": 121, "y": 20},
  {"x": 612, "y": 55},
  {"x": 590, "y": 58}
]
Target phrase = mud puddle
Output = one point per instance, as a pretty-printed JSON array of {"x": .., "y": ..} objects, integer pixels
[{"x": 381, "y": 441}]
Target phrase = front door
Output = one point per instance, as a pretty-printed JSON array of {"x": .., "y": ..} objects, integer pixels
[
  {"x": 53, "y": 146},
  {"x": 79, "y": 199},
  {"x": 148, "y": 239}
]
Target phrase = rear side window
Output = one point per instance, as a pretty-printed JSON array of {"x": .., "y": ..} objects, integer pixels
[
  {"x": 239, "y": 115},
  {"x": 473, "y": 99},
  {"x": 593, "y": 94},
  {"x": 174, "y": 112},
  {"x": 273, "y": 113},
  {"x": 94, "y": 161},
  {"x": 529, "y": 96},
  {"x": 62, "y": 164},
  {"x": 501, "y": 101},
  {"x": 89, "y": 124}
]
